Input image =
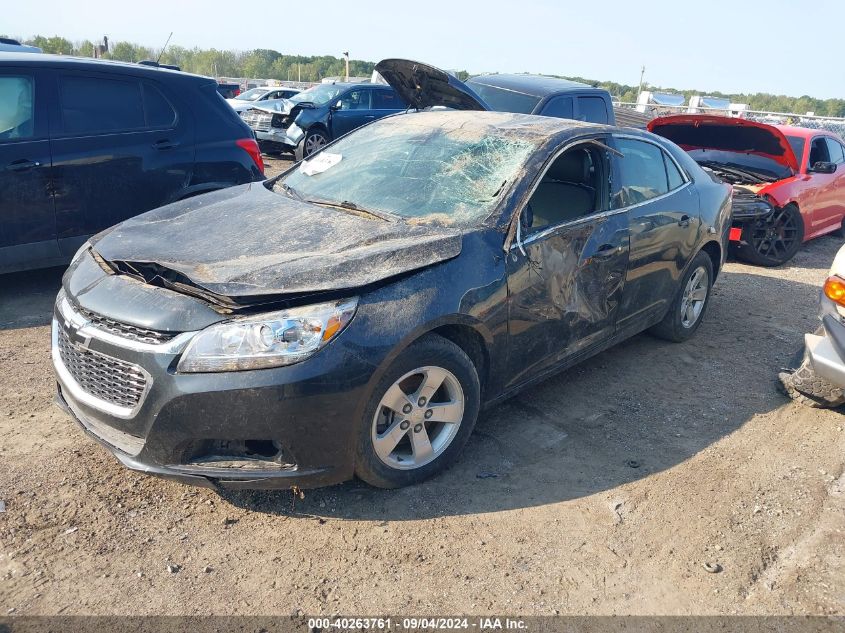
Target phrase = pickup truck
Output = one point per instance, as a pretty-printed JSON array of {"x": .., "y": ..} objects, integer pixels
[{"x": 522, "y": 93}]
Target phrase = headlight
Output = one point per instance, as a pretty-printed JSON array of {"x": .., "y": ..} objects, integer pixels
[{"x": 267, "y": 340}]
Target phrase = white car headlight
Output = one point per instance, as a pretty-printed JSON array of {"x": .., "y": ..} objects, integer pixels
[{"x": 267, "y": 340}]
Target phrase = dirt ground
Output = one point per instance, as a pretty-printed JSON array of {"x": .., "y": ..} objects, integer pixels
[{"x": 604, "y": 490}]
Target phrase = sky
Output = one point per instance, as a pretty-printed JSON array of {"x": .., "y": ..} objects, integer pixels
[{"x": 774, "y": 46}]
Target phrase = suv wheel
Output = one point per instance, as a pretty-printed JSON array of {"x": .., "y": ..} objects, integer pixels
[
  {"x": 315, "y": 140},
  {"x": 420, "y": 415}
]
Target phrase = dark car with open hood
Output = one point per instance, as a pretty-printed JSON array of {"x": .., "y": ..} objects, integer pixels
[{"x": 353, "y": 315}]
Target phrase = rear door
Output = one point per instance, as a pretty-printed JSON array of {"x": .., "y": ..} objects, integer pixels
[
  {"x": 824, "y": 199},
  {"x": 121, "y": 147},
  {"x": 663, "y": 215},
  {"x": 27, "y": 215}
]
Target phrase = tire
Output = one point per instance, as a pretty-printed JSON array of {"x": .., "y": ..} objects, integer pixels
[
  {"x": 775, "y": 240},
  {"x": 807, "y": 388},
  {"x": 392, "y": 459},
  {"x": 315, "y": 139},
  {"x": 690, "y": 303}
]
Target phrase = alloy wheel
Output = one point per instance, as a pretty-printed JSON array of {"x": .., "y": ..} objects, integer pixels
[
  {"x": 775, "y": 236},
  {"x": 315, "y": 142},
  {"x": 417, "y": 418},
  {"x": 695, "y": 294}
]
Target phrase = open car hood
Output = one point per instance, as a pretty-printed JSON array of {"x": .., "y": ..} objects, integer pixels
[
  {"x": 248, "y": 245},
  {"x": 727, "y": 134},
  {"x": 422, "y": 86}
]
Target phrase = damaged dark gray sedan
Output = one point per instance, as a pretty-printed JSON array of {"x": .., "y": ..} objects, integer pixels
[{"x": 354, "y": 315}]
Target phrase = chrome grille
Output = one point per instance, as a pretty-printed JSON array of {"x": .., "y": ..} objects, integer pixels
[
  {"x": 124, "y": 330},
  {"x": 258, "y": 121},
  {"x": 111, "y": 380}
]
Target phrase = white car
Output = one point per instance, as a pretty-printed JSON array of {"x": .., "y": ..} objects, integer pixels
[
  {"x": 819, "y": 381},
  {"x": 255, "y": 96}
]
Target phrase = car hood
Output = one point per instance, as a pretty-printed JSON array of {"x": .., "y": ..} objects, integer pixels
[
  {"x": 422, "y": 86},
  {"x": 727, "y": 134},
  {"x": 248, "y": 245}
]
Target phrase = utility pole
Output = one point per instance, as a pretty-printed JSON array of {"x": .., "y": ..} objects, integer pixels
[
  {"x": 346, "y": 56},
  {"x": 639, "y": 91}
]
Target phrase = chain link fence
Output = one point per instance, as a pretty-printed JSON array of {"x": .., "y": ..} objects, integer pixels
[{"x": 630, "y": 114}]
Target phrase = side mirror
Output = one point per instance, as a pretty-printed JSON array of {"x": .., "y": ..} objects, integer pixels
[
  {"x": 338, "y": 105},
  {"x": 823, "y": 167}
]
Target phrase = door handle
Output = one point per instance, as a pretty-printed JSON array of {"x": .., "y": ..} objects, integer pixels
[
  {"x": 22, "y": 165},
  {"x": 165, "y": 144},
  {"x": 684, "y": 221}
]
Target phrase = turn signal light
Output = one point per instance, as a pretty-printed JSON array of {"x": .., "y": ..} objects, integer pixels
[{"x": 834, "y": 289}]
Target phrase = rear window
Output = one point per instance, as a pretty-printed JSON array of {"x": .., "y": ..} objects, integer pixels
[
  {"x": 560, "y": 107},
  {"x": 387, "y": 100},
  {"x": 505, "y": 100},
  {"x": 92, "y": 105},
  {"x": 159, "y": 112},
  {"x": 592, "y": 109},
  {"x": 642, "y": 173}
]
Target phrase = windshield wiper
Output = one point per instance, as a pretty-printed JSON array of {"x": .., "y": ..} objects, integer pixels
[
  {"x": 734, "y": 171},
  {"x": 351, "y": 206},
  {"x": 293, "y": 193}
]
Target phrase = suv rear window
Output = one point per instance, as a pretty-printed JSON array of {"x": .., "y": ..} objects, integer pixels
[
  {"x": 92, "y": 105},
  {"x": 157, "y": 108}
]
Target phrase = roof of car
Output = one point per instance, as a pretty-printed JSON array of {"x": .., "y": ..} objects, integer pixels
[
  {"x": 803, "y": 132},
  {"x": 534, "y": 85},
  {"x": 87, "y": 63}
]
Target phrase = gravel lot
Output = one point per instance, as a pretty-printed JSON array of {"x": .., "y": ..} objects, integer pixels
[{"x": 603, "y": 490}]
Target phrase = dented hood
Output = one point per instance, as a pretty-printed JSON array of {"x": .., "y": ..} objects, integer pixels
[
  {"x": 727, "y": 134},
  {"x": 422, "y": 86},
  {"x": 246, "y": 244}
]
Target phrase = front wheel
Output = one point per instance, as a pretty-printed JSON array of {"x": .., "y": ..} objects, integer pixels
[
  {"x": 420, "y": 415},
  {"x": 774, "y": 240},
  {"x": 315, "y": 140},
  {"x": 687, "y": 309}
]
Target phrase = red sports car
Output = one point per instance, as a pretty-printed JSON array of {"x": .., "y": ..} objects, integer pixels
[{"x": 789, "y": 182}]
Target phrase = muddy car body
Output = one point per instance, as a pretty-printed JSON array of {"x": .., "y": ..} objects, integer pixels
[
  {"x": 789, "y": 182},
  {"x": 410, "y": 273}
]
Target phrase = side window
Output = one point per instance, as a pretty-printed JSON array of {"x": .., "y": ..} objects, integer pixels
[
  {"x": 570, "y": 189},
  {"x": 835, "y": 150},
  {"x": 676, "y": 179},
  {"x": 92, "y": 105},
  {"x": 355, "y": 100},
  {"x": 592, "y": 109},
  {"x": 641, "y": 173},
  {"x": 159, "y": 113},
  {"x": 818, "y": 152},
  {"x": 560, "y": 107},
  {"x": 387, "y": 100},
  {"x": 17, "y": 110}
]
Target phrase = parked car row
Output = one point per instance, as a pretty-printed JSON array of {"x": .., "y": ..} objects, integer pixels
[{"x": 352, "y": 316}]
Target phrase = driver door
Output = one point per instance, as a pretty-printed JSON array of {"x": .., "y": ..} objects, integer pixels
[
  {"x": 567, "y": 268},
  {"x": 355, "y": 110}
]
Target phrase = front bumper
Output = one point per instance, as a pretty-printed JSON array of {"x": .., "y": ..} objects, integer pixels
[
  {"x": 308, "y": 410},
  {"x": 287, "y": 138},
  {"x": 827, "y": 353}
]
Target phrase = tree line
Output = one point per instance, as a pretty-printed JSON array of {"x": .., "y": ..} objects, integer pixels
[{"x": 270, "y": 64}]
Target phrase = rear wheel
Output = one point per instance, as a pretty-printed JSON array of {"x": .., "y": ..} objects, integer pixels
[
  {"x": 687, "y": 309},
  {"x": 420, "y": 415},
  {"x": 774, "y": 240}
]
